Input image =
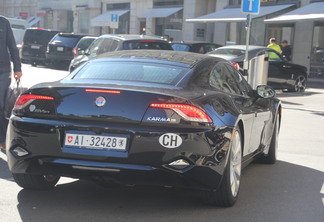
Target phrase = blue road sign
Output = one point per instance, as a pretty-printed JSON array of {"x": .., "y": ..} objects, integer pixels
[
  {"x": 114, "y": 18},
  {"x": 250, "y": 6}
]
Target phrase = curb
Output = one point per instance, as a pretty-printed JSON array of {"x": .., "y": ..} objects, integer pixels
[{"x": 315, "y": 80}]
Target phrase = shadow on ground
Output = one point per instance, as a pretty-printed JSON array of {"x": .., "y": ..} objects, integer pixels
[{"x": 280, "y": 192}]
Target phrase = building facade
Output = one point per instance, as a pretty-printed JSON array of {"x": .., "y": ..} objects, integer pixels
[{"x": 218, "y": 21}]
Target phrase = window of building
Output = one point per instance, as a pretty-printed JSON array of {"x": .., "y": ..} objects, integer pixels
[
  {"x": 200, "y": 33},
  {"x": 118, "y": 6},
  {"x": 173, "y": 22},
  {"x": 317, "y": 53},
  {"x": 167, "y": 3}
]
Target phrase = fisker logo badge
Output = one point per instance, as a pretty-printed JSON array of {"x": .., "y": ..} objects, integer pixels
[
  {"x": 100, "y": 101},
  {"x": 32, "y": 108}
]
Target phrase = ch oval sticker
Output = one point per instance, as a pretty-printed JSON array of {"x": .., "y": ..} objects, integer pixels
[{"x": 170, "y": 140}]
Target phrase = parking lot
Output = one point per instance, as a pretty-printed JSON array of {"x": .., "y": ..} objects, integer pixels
[{"x": 290, "y": 190}]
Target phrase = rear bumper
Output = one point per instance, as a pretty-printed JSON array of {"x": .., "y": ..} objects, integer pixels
[
  {"x": 34, "y": 57},
  {"x": 192, "y": 176},
  {"x": 144, "y": 162},
  {"x": 59, "y": 57}
]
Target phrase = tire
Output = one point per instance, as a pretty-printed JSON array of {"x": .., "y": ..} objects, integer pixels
[
  {"x": 300, "y": 84},
  {"x": 271, "y": 157},
  {"x": 227, "y": 193},
  {"x": 37, "y": 182}
]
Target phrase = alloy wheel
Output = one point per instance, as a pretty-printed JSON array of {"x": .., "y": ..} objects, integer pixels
[
  {"x": 300, "y": 84},
  {"x": 235, "y": 163}
]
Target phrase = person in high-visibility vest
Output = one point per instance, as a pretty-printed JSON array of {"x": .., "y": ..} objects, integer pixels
[{"x": 274, "y": 45}]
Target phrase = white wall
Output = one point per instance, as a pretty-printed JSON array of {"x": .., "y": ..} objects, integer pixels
[
  {"x": 303, "y": 43},
  {"x": 219, "y": 28}
]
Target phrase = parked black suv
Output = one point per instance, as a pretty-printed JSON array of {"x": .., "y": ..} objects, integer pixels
[
  {"x": 109, "y": 43},
  {"x": 60, "y": 48},
  {"x": 34, "y": 45}
]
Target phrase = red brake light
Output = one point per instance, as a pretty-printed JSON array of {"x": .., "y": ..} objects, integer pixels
[
  {"x": 74, "y": 51},
  {"x": 188, "y": 112},
  {"x": 24, "y": 100},
  {"x": 147, "y": 40},
  {"x": 103, "y": 91}
]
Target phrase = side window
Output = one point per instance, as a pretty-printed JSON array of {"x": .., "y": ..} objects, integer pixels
[
  {"x": 105, "y": 46},
  {"x": 113, "y": 45},
  {"x": 94, "y": 48},
  {"x": 244, "y": 88},
  {"x": 227, "y": 79}
]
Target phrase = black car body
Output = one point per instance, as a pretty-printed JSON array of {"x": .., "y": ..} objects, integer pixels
[
  {"x": 281, "y": 73},
  {"x": 197, "y": 47},
  {"x": 60, "y": 48},
  {"x": 110, "y": 43},
  {"x": 35, "y": 44},
  {"x": 145, "y": 117}
]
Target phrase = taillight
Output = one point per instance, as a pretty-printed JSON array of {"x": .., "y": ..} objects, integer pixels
[
  {"x": 187, "y": 112},
  {"x": 147, "y": 40},
  {"x": 24, "y": 100},
  {"x": 74, "y": 51},
  {"x": 236, "y": 65},
  {"x": 103, "y": 91}
]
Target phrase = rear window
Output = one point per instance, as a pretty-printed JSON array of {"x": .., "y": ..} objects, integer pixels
[
  {"x": 132, "y": 71},
  {"x": 146, "y": 44},
  {"x": 229, "y": 51},
  {"x": 38, "y": 36},
  {"x": 66, "y": 40},
  {"x": 84, "y": 43},
  {"x": 181, "y": 47}
]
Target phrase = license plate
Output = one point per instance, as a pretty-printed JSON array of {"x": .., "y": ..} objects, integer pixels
[
  {"x": 95, "y": 141},
  {"x": 60, "y": 49},
  {"x": 35, "y": 46}
]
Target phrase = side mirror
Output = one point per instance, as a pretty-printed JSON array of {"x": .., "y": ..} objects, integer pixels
[
  {"x": 265, "y": 91},
  {"x": 81, "y": 52}
]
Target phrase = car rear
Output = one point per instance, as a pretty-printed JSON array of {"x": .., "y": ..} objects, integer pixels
[
  {"x": 60, "y": 48},
  {"x": 35, "y": 44},
  {"x": 123, "y": 122}
]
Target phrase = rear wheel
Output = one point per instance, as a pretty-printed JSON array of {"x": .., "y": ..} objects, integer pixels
[
  {"x": 227, "y": 192},
  {"x": 40, "y": 182}
]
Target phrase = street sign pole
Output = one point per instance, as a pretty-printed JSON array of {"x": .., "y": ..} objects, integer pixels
[
  {"x": 248, "y": 31},
  {"x": 249, "y": 7},
  {"x": 114, "y": 22}
]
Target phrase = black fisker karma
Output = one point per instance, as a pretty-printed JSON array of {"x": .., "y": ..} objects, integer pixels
[{"x": 145, "y": 117}]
